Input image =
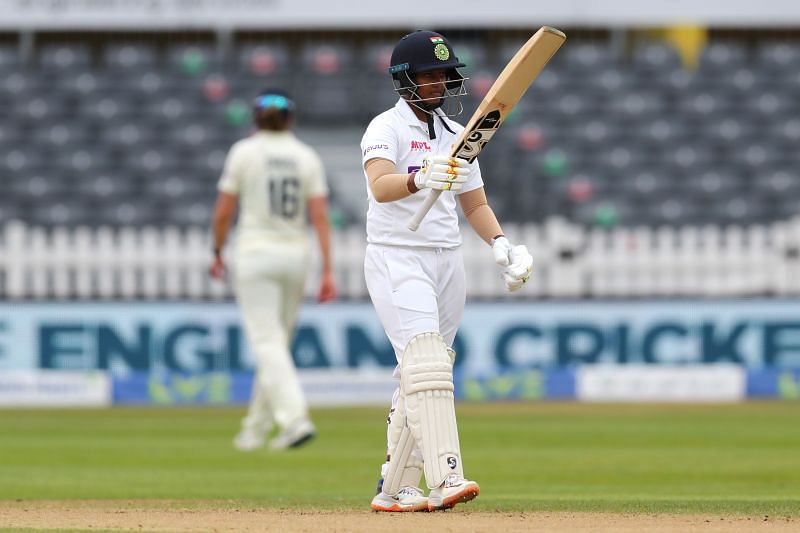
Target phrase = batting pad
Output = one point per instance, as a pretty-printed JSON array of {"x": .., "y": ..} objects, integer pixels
[
  {"x": 427, "y": 389},
  {"x": 405, "y": 466}
]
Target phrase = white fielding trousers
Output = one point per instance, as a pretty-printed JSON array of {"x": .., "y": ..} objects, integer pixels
[
  {"x": 269, "y": 288},
  {"x": 415, "y": 290}
]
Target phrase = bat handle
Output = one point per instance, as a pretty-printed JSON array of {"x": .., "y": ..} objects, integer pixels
[{"x": 423, "y": 210}]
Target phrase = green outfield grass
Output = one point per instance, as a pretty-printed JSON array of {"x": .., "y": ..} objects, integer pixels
[{"x": 526, "y": 456}]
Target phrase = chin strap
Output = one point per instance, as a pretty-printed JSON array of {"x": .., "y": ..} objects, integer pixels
[{"x": 431, "y": 130}]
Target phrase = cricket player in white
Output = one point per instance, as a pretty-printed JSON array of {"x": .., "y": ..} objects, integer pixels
[
  {"x": 277, "y": 181},
  {"x": 416, "y": 280}
]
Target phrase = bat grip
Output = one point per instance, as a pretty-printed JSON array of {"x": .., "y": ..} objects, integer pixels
[{"x": 423, "y": 210}]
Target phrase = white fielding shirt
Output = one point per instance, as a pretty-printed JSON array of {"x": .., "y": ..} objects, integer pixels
[
  {"x": 399, "y": 136},
  {"x": 274, "y": 174}
]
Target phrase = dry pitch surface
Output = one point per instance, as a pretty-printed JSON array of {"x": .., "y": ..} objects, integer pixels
[{"x": 155, "y": 516}]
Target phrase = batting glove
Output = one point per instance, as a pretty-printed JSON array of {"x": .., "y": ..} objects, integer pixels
[
  {"x": 442, "y": 172},
  {"x": 516, "y": 261}
]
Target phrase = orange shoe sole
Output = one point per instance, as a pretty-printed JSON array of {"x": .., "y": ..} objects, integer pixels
[
  {"x": 398, "y": 509},
  {"x": 468, "y": 494}
]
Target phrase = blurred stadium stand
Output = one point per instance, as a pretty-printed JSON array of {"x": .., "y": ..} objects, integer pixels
[{"x": 623, "y": 143}]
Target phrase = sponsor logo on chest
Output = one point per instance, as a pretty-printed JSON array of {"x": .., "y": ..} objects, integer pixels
[{"x": 420, "y": 146}]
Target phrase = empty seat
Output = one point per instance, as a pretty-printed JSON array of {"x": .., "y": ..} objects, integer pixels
[
  {"x": 142, "y": 212},
  {"x": 713, "y": 183},
  {"x": 661, "y": 130},
  {"x": 61, "y": 135},
  {"x": 327, "y": 101},
  {"x": 38, "y": 107},
  {"x": 129, "y": 56},
  {"x": 57, "y": 58},
  {"x": 12, "y": 134},
  {"x": 264, "y": 59},
  {"x": 40, "y": 186},
  {"x": 779, "y": 56},
  {"x": 59, "y": 212},
  {"x": 10, "y": 58},
  {"x": 785, "y": 132},
  {"x": 11, "y": 211},
  {"x": 728, "y": 129},
  {"x": 375, "y": 87},
  {"x": 619, "y": 158},
  {"x": 736, "y": 209},
  {"x": 722, "y": 56},
  {"x": 777, "y": 182},
  {"x": 655, "y": 57},
  {"x": 685, "y": 158},
  {"x": 151, "y": 160},
  {"x": 20, "y": 83},
  {"x": 637, "y": 105},
  {"x": 195, "y": 213},
  {"x": 574, "y": 103},
  {"x": 193, "y": 135},
  {"x": 328, "y": 95},
  {"x": 129, "y": 134},
  {"x": 770, "y": 105},
  {"x": 192, "y": 59},
  {"x": 672, "y": 210},
  {"x": 20, "y": 160},
  {"x": 323, "y": 59},
  {"x": 755, "y": 155},
  {"x": 473, "y": 53},
  {"x": 603, "y": 213},
  {"x": 170, "y": 110},
  {"x": 649, "y": 182},
  {"x": 82, "y": 84},
  {"x": 105, "y": 188},
  {"x": 704, "y": 104},
  {"x": 86, "y": 159},
  {"x": 585, "y": 57},
  {"x": 176, "y": 184},
  {"x": 108, "y": 110},
  {"x": 743, "y": 80}
]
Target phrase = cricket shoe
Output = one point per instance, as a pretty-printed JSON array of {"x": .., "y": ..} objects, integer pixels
[
  {"x": 294, "y": 436},
  {"x": 455, "y": 489},
  {"x": 408, "y": 499},
  {"x": 248, "y": 440}
]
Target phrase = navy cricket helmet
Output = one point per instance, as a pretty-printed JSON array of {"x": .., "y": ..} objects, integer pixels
[
  {"x": 424, "y": 51},
  {"x": 274, "y": 98}
]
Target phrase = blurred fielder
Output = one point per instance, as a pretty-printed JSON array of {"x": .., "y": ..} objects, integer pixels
[
  {"x": 416, "y": 280},
  {"x": 277, "y": 179}
]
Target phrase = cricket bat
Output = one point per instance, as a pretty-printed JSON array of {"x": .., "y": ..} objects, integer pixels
[{"x": 504, "y": 94}]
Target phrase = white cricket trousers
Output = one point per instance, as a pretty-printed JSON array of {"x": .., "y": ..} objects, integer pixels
[
  {"x": 415, "y": 290},
  {"x": 269, "y": 289}
]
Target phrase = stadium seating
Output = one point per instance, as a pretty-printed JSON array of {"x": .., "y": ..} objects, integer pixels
[{"x": 136, "y": 132}]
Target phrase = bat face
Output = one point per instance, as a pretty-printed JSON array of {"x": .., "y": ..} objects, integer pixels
[{"x": 473, "y": 142}]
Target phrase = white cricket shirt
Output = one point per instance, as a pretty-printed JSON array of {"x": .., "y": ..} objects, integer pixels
[
  {"x": 274, "y": 174},
  {"x": 399, "y": 136}
]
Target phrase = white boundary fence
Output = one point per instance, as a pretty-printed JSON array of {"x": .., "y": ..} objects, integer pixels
[{"x": 569, "y": 262}]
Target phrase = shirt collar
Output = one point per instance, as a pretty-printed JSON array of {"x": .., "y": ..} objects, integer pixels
[
  {"x": 404, "y": 108},
  {"x": 405, "y": 111}
]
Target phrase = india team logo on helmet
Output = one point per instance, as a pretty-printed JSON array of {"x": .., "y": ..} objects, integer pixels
[{"x": 441, "y": 52}]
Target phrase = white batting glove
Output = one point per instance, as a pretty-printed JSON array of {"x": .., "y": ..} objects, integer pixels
[
  {"x": 516, "y": 261},
  {"x": 442, "y": 172}
]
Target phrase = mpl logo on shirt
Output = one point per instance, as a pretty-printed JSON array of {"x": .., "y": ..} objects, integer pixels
[{"x": 420, "y": 146}]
